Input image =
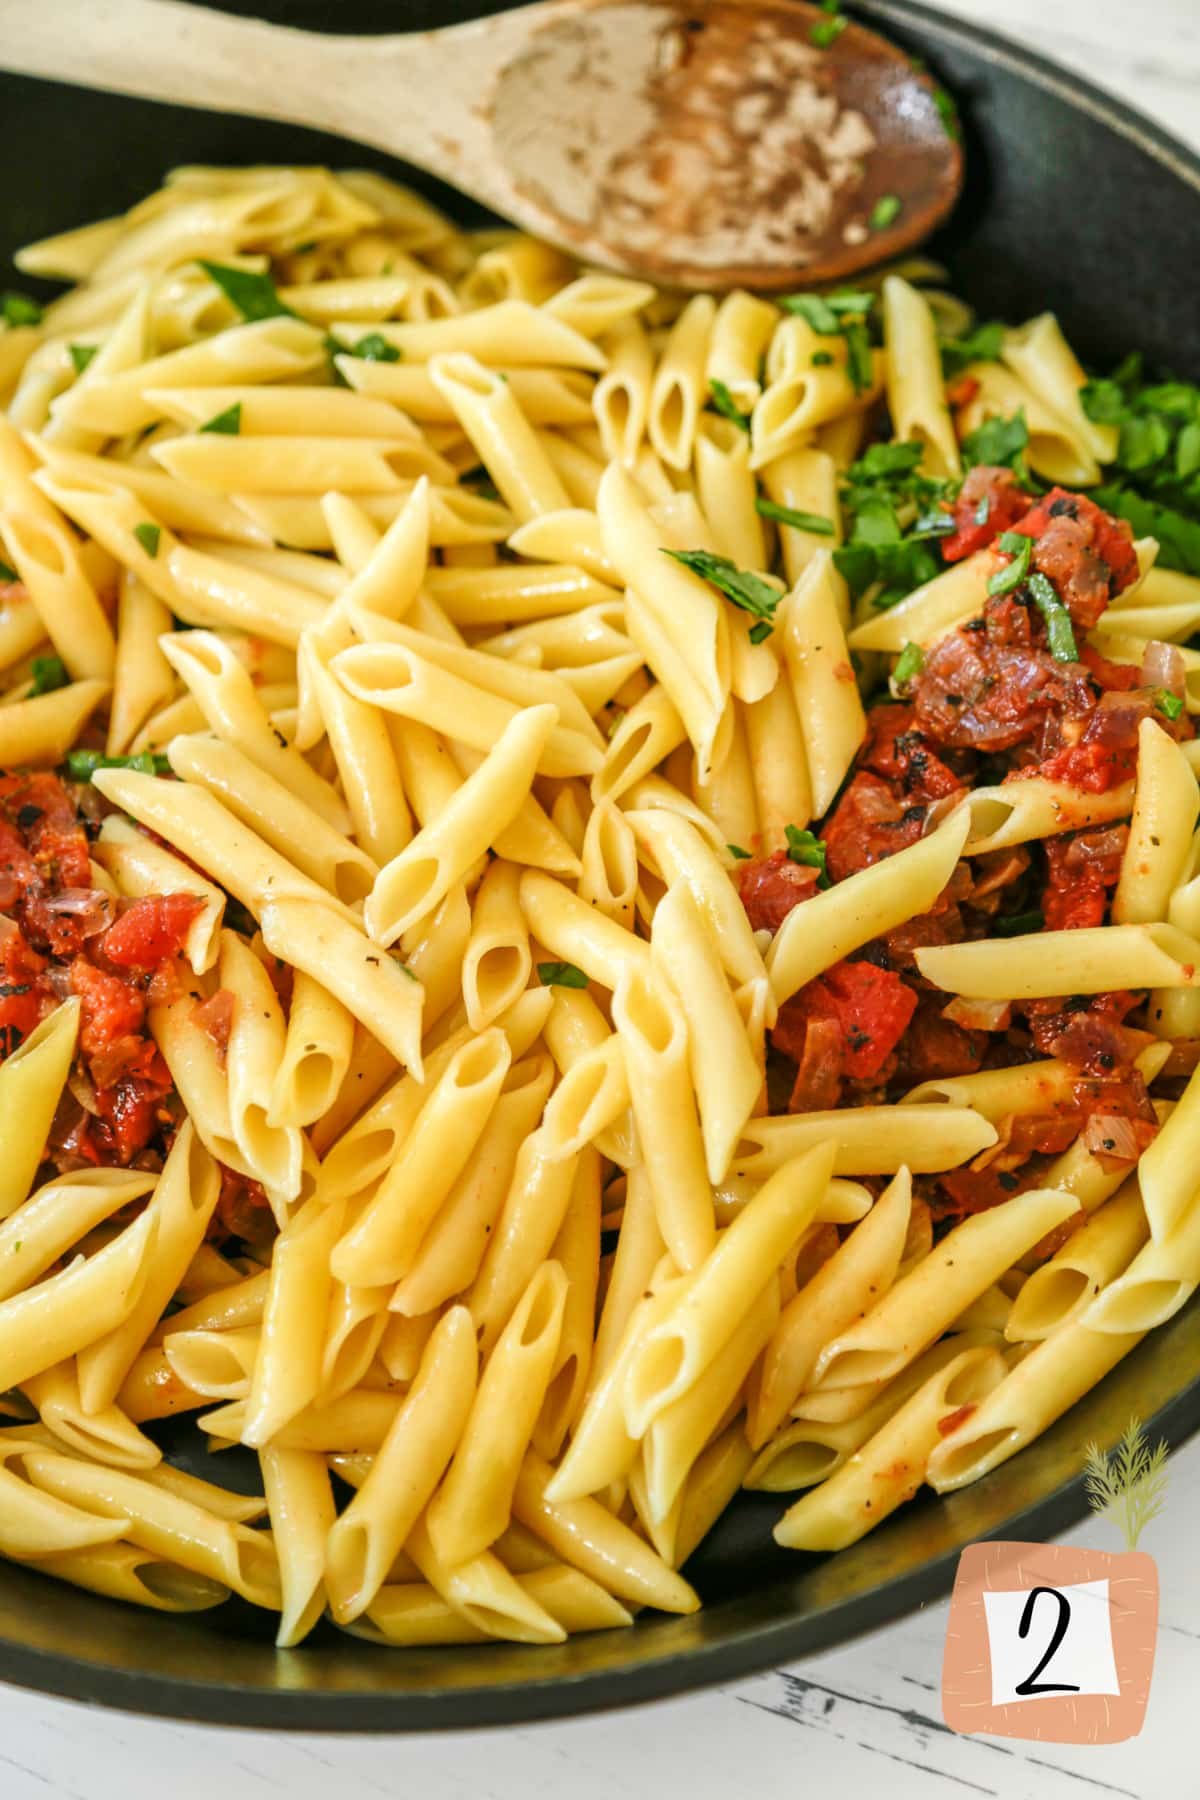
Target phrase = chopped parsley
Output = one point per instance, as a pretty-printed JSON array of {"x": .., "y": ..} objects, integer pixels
[
  {"x": 738, "y": 854},
  {"x": 885, "y": 212},
  {"x": 1020, "y": 549},
  {"x": 255, "y": 296},
  {"x": 817, "y": 523},
  {"x": 1017, "y": 924},
  {"x": 883, "y": 487},
  {"x": 81, "y": 355},
  {"x": 227, "y": 423},
  {"x": 845, "y": 314},
  {"x": 826, "y": 31},
  {"x": 1156, "y": 471},
  {"x": 1059, "y": 635},
  {"x": 983, "y": 344},
  {"x": 820, "y": 359},
  {"x": 374, "y": 347},
  {"x": 805, "y": 847},
  {"x": 49, "y": 673},
  {"x": 81, "y": 765},
  {"x": 909, "y": 664},
  {"x": 561, "y": 974},
  {"x": 19, "y": 309},
  {"x": 1168, "y": 704},
  {"x": 1001, "y": 443},
  {"x": 727, "y": 406},
  {"x": 148, "y": 535},
  {"x": 748, "y": 591}
]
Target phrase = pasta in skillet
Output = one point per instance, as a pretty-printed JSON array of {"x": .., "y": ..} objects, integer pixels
[{"x": 598, "y": 907}]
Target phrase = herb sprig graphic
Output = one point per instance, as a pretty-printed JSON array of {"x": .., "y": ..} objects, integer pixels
[{"x": 1130, "y": 1483}]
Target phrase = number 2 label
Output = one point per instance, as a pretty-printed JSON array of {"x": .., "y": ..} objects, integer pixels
[{"x": 1050, "y": 1640}]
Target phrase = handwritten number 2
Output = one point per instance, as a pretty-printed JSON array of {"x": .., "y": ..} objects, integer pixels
[{"x": 1031, "y": 1684}]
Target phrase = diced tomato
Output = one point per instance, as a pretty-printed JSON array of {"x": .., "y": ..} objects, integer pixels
[
  {"x": 896, "y": 750},
  {"x": 935, "y": 1048},
  {"x": 969, "y": 1191},
  {"x": 130, "y": 1111},
  {"x": 1081, "y": 871},
  {"x": 151, "y": 931},
  {"x": 1092, "y": 768},
  {"x": 23, "y": 996},
  {"x": 990, "y": 501},
  {"x": 1086, "y": 552},
  {"x": 38, "y": 804},
  {"x": 770, "y": 886},
  {"x": 868, "y": 824},
  {"x": 846, "y": 1023},
  {"x": 110, "y": 1010},
  {"x": 1114, "y": 677},
  {"x": 989, "y": 687},
  {"x": 243, "y": 1209}
]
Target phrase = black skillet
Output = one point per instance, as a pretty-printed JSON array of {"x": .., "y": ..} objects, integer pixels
[{"x": 1072, "y": 203}]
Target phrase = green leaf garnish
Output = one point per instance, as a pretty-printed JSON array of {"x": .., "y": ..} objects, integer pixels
[
  {"x": 374, "y": 347},
  {"x": 49, "y": 673},
  {"x": 82, "y": 764},
  {"x": 81, "y": 355},
  {"x": 1169, "y": 705},
  {"x": 997, "y": 442},
  {"x": 1060, "y": 636},
  {"x": 983, "y": 344},
  {"x": 1020, "y": 549},
  {"x": 909, "y": 664},
  {"x": 561, "y": 974},
  {"x": 820, "y": 359},
  {"x": 148, "y": 535},
  {"x": 1178, "y": 536},
  {"x": 1017, "y": 924},
  {"x": 727, "y": 406},
  {"x": 789, "y": 515},
  {"x": 227, "y": 423},
  {"x": 860, "y": 364},
  {"x": 19, "y": 309},
  {"x": 827, "y": 31},
  {"x": 805, "y": 847},
  {"x": 254, "y": 296},
  {"x": 747, "y": 591},
  {"x": 738, "y": 854},
  {"x": 885, "y": 212}
]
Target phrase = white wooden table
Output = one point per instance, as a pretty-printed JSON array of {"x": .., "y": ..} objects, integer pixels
[{"x": 866, "y": 1717}]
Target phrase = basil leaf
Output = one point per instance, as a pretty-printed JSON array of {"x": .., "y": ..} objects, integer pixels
[
  {"x": 1020, "y": 549},
  {"x": 1168, "y": 704},
  {"x": 148, "y": 535},
  {"x": 738, "y": 854},
  {"x": 885, "y": 212},
  {"x": 997, "y": 442},
  {"x": 983, "y": 344},
  {"x": 561, "y": 974},
  {"x": 82, "y": 764},
  {"x": 860, "y": 364},
  {"x": 1059, "y": 633},
  {"x": 374, "y": 347},
  {"x": 727, "y": 406},
  {"x": 19, "y": 309},
  {"x": 789, "y": 515},
  {"x": 227, "y": 423},
  {"x": 909, "y": 664},
  {"x": 747, "y": 591},
  {"x": 254, "y": 296},
  {"x": 81, "y": 355},
  {"x": 804, "y": 847},
  {"x": 49, "y": 673}
]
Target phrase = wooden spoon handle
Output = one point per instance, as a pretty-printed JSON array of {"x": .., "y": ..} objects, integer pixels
[{"x": 415, "y": 95}]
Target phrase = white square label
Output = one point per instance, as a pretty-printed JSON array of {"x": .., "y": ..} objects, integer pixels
[{"x": 1047, "y": 1641}]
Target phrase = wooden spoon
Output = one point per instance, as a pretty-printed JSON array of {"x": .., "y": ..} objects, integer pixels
[{"x": 699, "y": 142}]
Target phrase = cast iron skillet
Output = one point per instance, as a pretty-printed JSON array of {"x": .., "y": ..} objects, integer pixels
[{"x": 1072, "y": 203}]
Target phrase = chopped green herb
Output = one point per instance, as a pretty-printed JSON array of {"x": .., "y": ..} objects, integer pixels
[
  {"x": 805, "y": 847},
  {"x": 983, "y": 511},
  {"x": 1169, "y": 705},
  {"x": 1020, "y": 549},
  {"x": 934, "y": 525},
  {"x": 1059, "y": 634},
  {"x": 885, "y": 461},
  {"x": 403, "y": 967},
  {"x": 909, "y": 664},
  {"x": 746, "y": 590},
  {"x": 947, "y": 111},
  {"x": 827, "y": 31},
  {"x": 561, "y": 974},
  {"x": 8, "y": 573},
  {"x": 81, "y": 355},
  {"x": 820, "y": 359},
  {"x": 1017, "y": 924},
  {"x": 82, "y": 764},
  {"x": 736, "y": 851},
  {"x": 374, "y": 347},
  {"x": 983, "y": 344},
  {"x": 148, "y": 535},
  {"x": 998, "y": 442},
  {"x": 760, "y": 631},
  {"x": 1178, "y": 536},
  {"x": 727, "y": 406},
  {"x": 860, "y": 364},
  {"x": 885, "y": 212},
  {"x": 254, "y": 296},
  {"x": 49, "y": 673},
  {"x": 227, "y": 423},
  {"x": 826, "y": 312},
  {"x": 789, "y": 515},
  {"x": 1187, "y": 450},
  {"x": 19, "y": 309}
]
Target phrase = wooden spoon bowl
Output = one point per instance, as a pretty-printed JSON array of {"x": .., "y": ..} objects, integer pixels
[{"x": 716, "y": 143}]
